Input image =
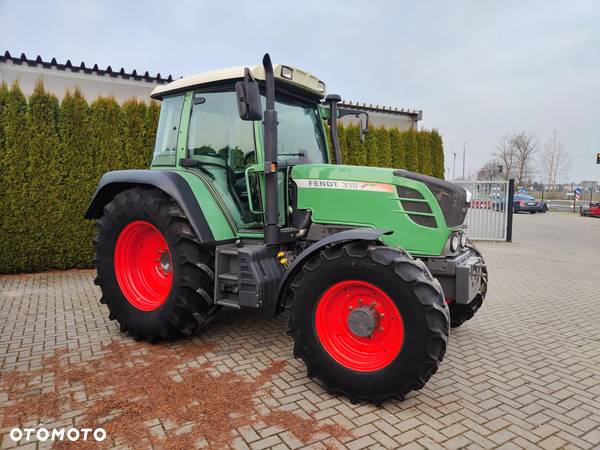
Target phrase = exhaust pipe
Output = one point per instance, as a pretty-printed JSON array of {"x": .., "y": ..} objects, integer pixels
[{"x": 272, "y": 235}]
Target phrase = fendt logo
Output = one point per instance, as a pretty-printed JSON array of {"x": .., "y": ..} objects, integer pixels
[
  {"x": 347, "y": 185},
  {"x": 57, "y": 434}
]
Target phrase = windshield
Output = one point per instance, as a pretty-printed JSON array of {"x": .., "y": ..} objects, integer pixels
[{"x": 299, "y": 134}]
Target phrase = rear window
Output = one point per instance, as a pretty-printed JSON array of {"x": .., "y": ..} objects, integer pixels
[{"x": 524, "y": 197}]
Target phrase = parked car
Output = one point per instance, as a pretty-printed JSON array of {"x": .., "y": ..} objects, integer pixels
[
  {"x": 591, "y": 209},
  {"x": 527, "y": 203}
]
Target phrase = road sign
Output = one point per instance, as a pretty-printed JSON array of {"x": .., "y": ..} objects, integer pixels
[{"x": 577, "y": 193}]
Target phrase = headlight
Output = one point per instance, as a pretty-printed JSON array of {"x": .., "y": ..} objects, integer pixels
[
  {"x": 454, "y": 242},
  {"x": 321, "y": 87},
  {"x": 463, "y": 240}
]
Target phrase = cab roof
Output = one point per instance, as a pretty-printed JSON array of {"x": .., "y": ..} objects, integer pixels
[{"x": 299, "y": 79}]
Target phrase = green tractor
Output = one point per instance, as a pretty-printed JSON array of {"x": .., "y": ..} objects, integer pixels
[{"x": 242, "y": 208}]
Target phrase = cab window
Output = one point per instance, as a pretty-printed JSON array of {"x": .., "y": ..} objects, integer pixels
[
  {"x": 299, "y": 134},
  {"x": 216, "y": 131},
  {"x": 165, "y": 147}
]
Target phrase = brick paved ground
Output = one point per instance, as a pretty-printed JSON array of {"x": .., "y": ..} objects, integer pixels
[{"x": 524, "y": 373}]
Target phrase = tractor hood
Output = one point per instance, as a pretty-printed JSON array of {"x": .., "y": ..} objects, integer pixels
[
  {"x": 453, "y": 199},
  {"x": 421, "y": 210}
]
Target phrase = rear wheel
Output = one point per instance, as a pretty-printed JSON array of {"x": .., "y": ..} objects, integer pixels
[
  {"x": 155, "y": 277},
  {"x": 369, "y": 321},
  {"x": 460, "y": 313}
]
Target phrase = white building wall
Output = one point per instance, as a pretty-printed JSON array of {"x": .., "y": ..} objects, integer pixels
[{"x": 92, "y": 85}]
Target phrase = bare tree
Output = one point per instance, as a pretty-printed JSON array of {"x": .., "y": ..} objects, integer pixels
[
  {"x": 505, "y": 152},
  {"x": 555, "y": 161},
  {"x": 491, "y": 171},
  {"x": 524, "y": 146}
]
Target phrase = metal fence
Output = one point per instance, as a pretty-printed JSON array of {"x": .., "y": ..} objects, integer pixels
[{"x": 488, "y": 216}]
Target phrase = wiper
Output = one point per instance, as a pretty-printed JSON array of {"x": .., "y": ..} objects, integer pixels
[{"x": 293, "y": 154}]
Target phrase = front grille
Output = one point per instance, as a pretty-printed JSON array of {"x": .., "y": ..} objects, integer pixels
[
  {"x": 406, "y": 192},
  {"x": 426, "y": 221},
  {"x": 451, "y": 198},
  {"x": 415, "y": 206}
]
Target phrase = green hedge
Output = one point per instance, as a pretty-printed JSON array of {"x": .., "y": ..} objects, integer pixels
[
  {"x": 417, "y": 151},
  {"x": 52, "y": 156}
]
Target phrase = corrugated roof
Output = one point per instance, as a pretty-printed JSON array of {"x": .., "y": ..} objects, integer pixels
[
  {"x": 383, "y": 109},
  {"x": 83, "y": 68}
]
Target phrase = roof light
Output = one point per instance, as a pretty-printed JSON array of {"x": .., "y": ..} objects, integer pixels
[
  {"x": 321, "y": 87},
  {"x": 287, "y": 72}
]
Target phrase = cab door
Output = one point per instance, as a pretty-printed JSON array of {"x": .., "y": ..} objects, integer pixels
[{"x": 224, "y": 147}]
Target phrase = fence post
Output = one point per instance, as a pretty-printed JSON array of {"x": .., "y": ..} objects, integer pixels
[{"x": 509, "y": 209}]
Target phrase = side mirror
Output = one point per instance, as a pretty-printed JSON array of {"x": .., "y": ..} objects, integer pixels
[
  {"x": 359, "y": 114},
  {"x": 248, "y": 97}
]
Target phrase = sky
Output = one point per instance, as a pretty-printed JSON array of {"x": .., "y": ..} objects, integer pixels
[{"x": 478, "y": 70}]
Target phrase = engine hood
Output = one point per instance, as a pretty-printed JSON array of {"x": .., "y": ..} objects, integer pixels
[{"x": 422, "y": 211}]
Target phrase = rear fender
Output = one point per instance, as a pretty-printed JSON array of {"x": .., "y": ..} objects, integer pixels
[
  {"x": 172, "y": 183},
  {"x": 356, "y": 234}
]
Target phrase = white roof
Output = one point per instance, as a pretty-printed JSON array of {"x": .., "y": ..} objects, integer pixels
[{"x": 300, "y": 78}]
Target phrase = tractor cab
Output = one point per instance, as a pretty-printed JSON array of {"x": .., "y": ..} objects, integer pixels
[{"x": 201, "y": 130}]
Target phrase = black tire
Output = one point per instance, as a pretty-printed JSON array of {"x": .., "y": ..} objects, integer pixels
[
  {"x": 532, "y": 212},
  {"x": 459, "y": 314},
  {"x": 188, "y": 305},
  {"x": 417, "y": 296}
]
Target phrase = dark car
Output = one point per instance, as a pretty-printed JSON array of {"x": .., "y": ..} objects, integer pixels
[{"x": 527, "y": 203}]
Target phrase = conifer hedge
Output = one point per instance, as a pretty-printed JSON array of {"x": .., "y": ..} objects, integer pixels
[
  {"x": 52, "y": 156},
  {"x": 417, "y": 151}
]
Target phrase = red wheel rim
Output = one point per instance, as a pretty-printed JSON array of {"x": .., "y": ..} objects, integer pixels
[
  {"x": 143, "y": 265},
  {"x": 363, "y": 354}
]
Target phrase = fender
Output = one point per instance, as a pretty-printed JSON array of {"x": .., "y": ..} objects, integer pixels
[
  {"x": 170, "y": 183},
  {"x": 356, "y": 234}
]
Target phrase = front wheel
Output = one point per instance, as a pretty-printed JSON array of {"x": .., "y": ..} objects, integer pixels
[
  {"x": 155, "y": 277},
  {"x": 369, "y": 321}
]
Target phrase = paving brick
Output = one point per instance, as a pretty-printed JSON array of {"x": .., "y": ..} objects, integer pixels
[
  {"x": 551, "y": 443},
  {"x": 363, "y": 442},
  {"x": 265, "y": 443},
  {"x": 525, "y": 372}
]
